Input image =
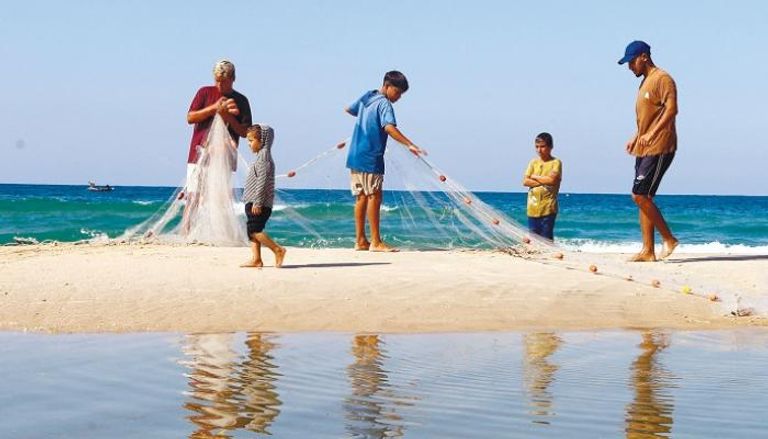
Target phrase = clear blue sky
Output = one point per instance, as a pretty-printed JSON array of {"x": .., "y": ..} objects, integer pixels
[{"x": 99, "y": 90}]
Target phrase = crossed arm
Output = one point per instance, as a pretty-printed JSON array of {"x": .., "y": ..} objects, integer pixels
[{"x": 539, "y": 180}]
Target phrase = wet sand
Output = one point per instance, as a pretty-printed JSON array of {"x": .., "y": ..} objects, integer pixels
[{"x": 125, "y": 288}]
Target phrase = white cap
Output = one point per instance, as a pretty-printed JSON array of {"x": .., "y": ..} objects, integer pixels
[{"x": 224, "y": 69}]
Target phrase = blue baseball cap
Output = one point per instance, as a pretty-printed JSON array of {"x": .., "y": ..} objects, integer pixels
[{"x": 634, "y": 49}]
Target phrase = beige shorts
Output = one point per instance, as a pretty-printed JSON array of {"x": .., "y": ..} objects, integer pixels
[{"x": 366, "y": 183}]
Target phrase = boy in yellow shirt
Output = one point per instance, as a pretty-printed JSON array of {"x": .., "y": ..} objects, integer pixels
[{"x": 542, "y": 178}]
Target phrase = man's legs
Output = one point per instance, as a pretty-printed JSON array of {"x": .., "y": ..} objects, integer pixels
[
  {"x": 361, "y": 206},
  {"x": 648, "y": 173},
  {"x": 190, "y": 197},
  {"x": 650, "y": 219},
  {"x": 191, "y": 201},
  {"x": 374, "y": 217},
  {"x": 648, "y": 252}
]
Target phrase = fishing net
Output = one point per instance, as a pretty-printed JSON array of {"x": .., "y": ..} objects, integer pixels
[
  {"x": 423, "y": 209},
  {"x": 206, "y": 209}
]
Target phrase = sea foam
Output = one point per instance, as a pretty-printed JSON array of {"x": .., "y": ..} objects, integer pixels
[{"x": 715, "y": 247}]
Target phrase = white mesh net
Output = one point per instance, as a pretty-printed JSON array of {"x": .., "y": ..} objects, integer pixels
[
  {"x": 434, "y": 212},
  {"x": 211, "y": 211}
]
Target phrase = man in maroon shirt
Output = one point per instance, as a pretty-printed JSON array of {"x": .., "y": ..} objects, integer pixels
[{"x": 232, "y": 106}]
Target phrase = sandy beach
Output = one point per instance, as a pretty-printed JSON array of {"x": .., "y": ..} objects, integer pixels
[{"x": 119, "y": 288}]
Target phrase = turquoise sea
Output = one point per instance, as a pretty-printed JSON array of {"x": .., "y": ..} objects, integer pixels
[{"x": 590, "y": 222}]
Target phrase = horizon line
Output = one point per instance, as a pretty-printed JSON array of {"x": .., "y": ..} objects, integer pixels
[{"x": 401, "y": 190}]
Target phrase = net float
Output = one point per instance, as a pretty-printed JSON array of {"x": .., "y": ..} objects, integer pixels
[
  {"x": 442, "y": 178},
  {"x": 593, "y": 268},
  {"x": 558, "y": 256},
  {"x": 713, "y": 298},
  {"x": 495, "y": 222},
  {"x": 686, "y": 289},
  {"x": 656, "y": 283},
  {"x": 527, "y": 240},
  {"x": 341, "y": 145},
  {"x": 467, "y": 200},
  {"x": 291, "y": 174}
]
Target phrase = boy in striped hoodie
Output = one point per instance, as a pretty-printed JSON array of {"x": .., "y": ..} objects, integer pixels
[{"x": 259, "y": 194}]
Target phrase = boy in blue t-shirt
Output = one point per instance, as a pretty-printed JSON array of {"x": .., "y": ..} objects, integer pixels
[{"x": 375, "y": 122}]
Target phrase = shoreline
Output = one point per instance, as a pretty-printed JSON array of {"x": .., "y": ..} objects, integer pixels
[{"x": 180, "y": 288}]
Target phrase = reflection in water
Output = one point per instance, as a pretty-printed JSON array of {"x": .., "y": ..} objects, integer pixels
[
  {"x": 488, "y": 385},
  {"x": 257, "y": 377},
  {"x": 538, "y": 372},
  {"x": 650, "y": 414},
  {"x": 226, "y": 392},
  {"x": 370, "y": 409},
  {"x": 211, "y": 361}
]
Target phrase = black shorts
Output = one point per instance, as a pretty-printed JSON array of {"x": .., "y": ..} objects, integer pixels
[
  {"x": 256, "y": 223},
  {"x": 648, "y": 173}
]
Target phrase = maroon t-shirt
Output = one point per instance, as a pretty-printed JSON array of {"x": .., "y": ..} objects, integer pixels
[{"x": 208, "y": 96}]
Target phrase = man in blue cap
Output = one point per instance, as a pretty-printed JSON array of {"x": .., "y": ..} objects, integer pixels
[{"x": 653, "y": 145}]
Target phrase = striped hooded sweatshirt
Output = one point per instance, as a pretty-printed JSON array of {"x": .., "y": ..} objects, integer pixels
[{"x": 260, "y": 179}]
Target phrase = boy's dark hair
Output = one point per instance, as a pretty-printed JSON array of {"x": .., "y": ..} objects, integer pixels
[
  {"x": 396, "y": 79},
  {"x": 546, "y": 138}
]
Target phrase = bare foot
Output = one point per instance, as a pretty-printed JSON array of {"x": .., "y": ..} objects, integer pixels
[
  {"x": 643, "y": 257},
  {"x": 252, "y": 264},
  {"x": 279, "y": 256},
  {"x": 383, "y": 248},
  {"x": 668, "y": 248},
  {"x": 362, "y": 246}
]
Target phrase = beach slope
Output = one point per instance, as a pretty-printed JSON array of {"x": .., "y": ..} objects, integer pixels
[{"x": 143, "y": 287}]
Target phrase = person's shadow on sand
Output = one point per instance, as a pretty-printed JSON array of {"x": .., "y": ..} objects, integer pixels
[
  {"x": 720, "y": 258},
  {"x": 334, "y": 265}
]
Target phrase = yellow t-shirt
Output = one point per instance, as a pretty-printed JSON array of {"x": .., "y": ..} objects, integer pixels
[
  {"x": 542, "y": 200},
  {"x": 656, "y": 93}
]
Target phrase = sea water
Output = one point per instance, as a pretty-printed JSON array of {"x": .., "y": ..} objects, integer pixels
[
  {"x": 608, "y": 384},
  {"x": 588, "y": 222}
]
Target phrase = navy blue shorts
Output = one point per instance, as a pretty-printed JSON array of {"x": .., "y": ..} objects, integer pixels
[
  {"x": 543, "y": 226},
  {"x": 256, "y": 223},
  {"x": 648, "y": 173}
]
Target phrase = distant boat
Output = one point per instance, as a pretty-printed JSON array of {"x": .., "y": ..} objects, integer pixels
[{"x": 93, "y": 187}]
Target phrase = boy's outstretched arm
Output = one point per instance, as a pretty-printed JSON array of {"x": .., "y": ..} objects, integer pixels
[{"x": 400, "y": 137}]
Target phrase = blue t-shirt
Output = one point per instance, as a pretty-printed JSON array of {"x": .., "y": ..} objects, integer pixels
[{"x": 369, "y": 140}]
